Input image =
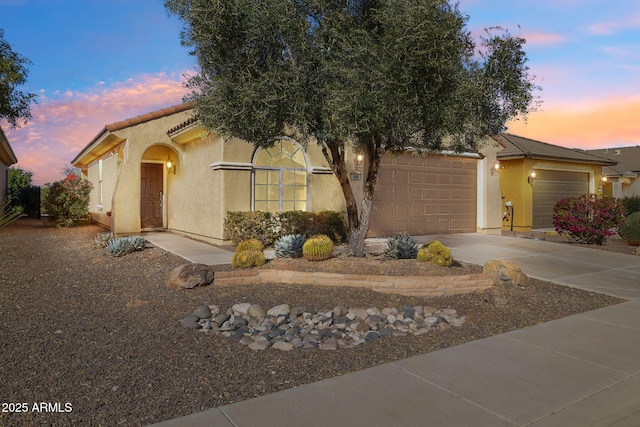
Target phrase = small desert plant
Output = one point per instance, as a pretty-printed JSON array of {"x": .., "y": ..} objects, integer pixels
[
  {"x": 629, "y": 230},
  {"x": 587, "y": 218},
  {"x": 436, "y": 253},
  {"x": 247, "y": 259},
  {"x": 401, "y": 247},
  {"x": 249, "y": 245},
  {"x": 317, "y": 248},
  {"x": 103, "y": 239},
  {"x": 7, "y": 214},
  {"x": 120, "y": 246},
  {"x": 289, "y": 246}
]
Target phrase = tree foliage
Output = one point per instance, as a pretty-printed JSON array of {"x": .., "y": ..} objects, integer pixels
[
  {"x": 14, "y": 103},
  {"x": 372, "y": 75}
]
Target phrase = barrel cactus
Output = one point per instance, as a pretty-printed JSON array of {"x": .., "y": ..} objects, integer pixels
[
  {"x": 317, "y": 248},
  {"x": 435, "y": 253},
  {"x": 401, "y": 247},
  {"x": 248, "y": 259},
  {"x": 249, "y": 245},
  {"x": 289, "y": 246}
]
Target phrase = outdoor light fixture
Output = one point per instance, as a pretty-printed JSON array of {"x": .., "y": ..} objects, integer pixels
[
  {"x": 357, "y": 162},
  {"x": 495, "y": 168},
  {"x": 170, "y": 166},
  {"x": 532, "y": 177},
  {"x": 601, "y": 183}
]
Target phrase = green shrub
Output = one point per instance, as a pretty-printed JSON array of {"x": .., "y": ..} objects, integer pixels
[
  {"x": 67, "y": 201},
  {"x": 267, "y": 227},
  {"x": 401, "y": 247},
  {"x": 317, "y": 248},
  {"x": 631, "y": 204},
  {"x": 629, "y": 230},
  {"x": 248, "y": 259},
  {"x": 587, "y": 218},
  {"x": 289, "y": 246},
  {"x": 250, "y": 245},
  {"x": 436, "y": 253}
]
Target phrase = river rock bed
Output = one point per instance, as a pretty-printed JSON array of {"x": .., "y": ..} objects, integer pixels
[{"x": 287, "y": 328}]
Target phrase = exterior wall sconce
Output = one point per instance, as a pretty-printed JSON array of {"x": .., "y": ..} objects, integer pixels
[
  {"x": 495, "y": 168},
  {"x": 357, "y": 162},
  {"x": 532, "y": 177},
  {"x": 170, "y": 166},
  {"x": 601, "y": 183}
]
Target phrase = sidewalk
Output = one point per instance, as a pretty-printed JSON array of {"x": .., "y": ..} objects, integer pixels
[{"x": 583, "y": 370}]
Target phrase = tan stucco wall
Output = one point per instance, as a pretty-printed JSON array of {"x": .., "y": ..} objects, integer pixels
[
  {"x": 489, "y": 208},
  {"x": 197, "y": 196}
]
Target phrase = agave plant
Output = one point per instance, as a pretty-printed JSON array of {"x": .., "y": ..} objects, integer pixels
[
  {"x": 7, "y": 216},
  {"x": 289, "y": 246},
  {"x": 401, "y": 247},
  {"x": 120, "y": 246},
  {"x": 103, "y": 239}
]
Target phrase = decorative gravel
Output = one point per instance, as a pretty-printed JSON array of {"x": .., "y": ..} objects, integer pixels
[{"x": 86, "y": 339}]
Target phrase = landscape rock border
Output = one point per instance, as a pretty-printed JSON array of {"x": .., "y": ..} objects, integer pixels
[{"x": 287, "y": 328}]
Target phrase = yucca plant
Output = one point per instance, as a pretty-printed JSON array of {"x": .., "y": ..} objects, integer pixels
[
  {"x": 249, "y": 245},
  {"x": 401, "y": 247},
  {"x": 247, "y": 259},
  {"x": 317, "y": 248},
  {"x": 120, "y": 246},
  {"x": 7, "y": 215},
  {"x": 289, "y": 246}
]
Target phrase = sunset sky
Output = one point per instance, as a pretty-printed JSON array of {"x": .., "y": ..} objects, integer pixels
[{"x": 95, "y": 62}]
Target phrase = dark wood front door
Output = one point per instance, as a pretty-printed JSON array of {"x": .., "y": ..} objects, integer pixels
[{"x": 151, "y": 195}]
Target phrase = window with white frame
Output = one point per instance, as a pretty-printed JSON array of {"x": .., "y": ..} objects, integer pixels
[{"x": 280, "y": 178}]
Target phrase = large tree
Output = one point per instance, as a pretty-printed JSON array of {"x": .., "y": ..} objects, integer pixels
[
  {"x": 372, "y": 75},
  {"x": 14, "y": 103}
]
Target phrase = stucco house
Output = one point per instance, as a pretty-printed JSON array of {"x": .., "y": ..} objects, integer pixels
[
  {"x": 622, "y": 178},
  {"x": 534, "y": 175},
  {"x": 7, "y": 158},
  {"x": 163, "y": 170}
]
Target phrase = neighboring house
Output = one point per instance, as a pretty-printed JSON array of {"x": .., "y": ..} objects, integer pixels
[
  {"x": 7, "y": 158},
  {"x": 534, "y": 175},
  {"x": 622, "y": 178},
  {"x": 163, "y": 170}
]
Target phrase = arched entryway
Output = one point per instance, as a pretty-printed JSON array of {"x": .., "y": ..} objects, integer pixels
[{"x": 158, "y": 165}]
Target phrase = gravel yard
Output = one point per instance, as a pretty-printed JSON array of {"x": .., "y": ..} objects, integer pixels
[{"x": 97, "y": 339}]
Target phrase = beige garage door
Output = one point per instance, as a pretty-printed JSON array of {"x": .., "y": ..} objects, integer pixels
[
  {"x": 424, "y": 195},
  {"x": 551, "y": 186}
]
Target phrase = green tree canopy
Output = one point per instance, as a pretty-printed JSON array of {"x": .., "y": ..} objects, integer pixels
[
  {"x": 373, "y": 75},
  {"x": 14, "y": 103}
]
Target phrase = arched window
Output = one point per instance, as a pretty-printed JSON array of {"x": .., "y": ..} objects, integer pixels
[{"x": 280, "y": 178}]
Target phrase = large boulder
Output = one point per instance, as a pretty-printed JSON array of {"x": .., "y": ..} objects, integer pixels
[
  {"x": 189, "y": 276},
  {"x": 506, "y": 277}
]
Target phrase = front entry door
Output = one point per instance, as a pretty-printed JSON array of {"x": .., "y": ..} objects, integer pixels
[{"x": 151, "y": 195}]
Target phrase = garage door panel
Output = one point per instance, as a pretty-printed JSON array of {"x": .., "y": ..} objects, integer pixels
[
  {"x": 551, "y": 186},
  {"x": 432, "y": 194}
]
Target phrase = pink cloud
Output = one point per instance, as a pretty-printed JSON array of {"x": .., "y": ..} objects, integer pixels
[
  {"x": 65, "y": 123},
  {"x": 613, "y": 27},
  {"x": 598, "y": 123},
  {"x": 543, "y": 39}
]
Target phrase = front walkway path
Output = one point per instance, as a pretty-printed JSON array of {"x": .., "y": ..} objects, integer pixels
[{"x": 189, "y": 249}]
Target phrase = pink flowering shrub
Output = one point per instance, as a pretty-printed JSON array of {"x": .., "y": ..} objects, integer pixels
[
  {"x": 588, "y": 218},
  {"x": 68, "y": 201}
]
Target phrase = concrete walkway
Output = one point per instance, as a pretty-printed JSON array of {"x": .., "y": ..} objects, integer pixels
[
  {"x": 189, "y": 249},
  {"x": 583, "y": 370}
]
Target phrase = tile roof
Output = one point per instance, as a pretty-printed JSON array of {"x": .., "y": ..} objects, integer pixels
[
  {"x": 628, "y": 159},
  {"x": 517, "y": 147},
  {"x": 147, "y": 117}
]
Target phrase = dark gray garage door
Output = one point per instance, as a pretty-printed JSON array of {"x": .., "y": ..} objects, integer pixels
[
  {"x": 551, "y": 186},
  {"x": 424, "y": 195}
]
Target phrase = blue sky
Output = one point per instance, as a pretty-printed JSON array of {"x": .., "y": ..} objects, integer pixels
[{"x": 96, "y": 62}]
